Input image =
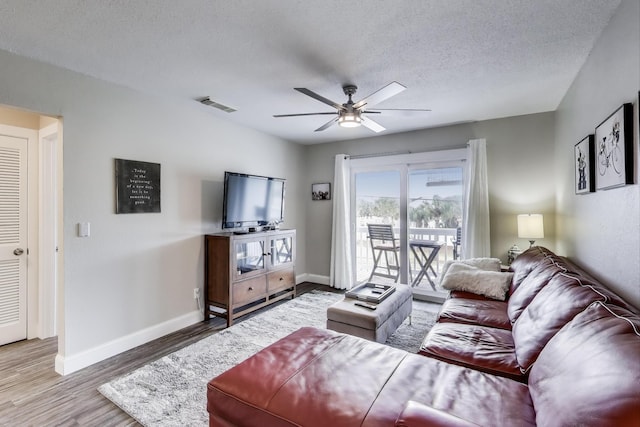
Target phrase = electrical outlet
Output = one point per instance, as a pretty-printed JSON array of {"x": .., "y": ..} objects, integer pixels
[{"x": 196, "y": 293}]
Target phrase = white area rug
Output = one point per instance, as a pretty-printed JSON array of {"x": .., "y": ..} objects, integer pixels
[{"x": 172, "y": 391}]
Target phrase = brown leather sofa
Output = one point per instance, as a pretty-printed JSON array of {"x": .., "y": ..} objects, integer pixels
[
  {"x": 505, "y": 337},
  {"x": 561, "y": 350}
]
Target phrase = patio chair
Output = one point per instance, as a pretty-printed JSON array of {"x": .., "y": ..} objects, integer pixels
[
  {"x": 456, "y": 243},
  {"x": 383, "y": 241}
]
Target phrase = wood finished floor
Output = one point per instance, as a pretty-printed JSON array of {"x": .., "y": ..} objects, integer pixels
[{"x": 33, "y": 394}]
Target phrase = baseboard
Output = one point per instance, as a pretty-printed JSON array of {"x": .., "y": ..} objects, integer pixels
[
  {"x": 314, "y": 278},
  {"x": 65, "y": 365}
]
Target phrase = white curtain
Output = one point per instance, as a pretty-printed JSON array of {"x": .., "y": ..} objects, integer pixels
[
  {"x": 341, "y": 275},
  {"x": 476, "y": 236}
]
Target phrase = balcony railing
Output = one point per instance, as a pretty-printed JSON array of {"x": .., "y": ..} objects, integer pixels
[{"x": 364, "y": 257}]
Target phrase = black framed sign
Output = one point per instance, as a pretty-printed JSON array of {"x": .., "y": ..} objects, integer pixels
[{"x": 137, "y": 186}]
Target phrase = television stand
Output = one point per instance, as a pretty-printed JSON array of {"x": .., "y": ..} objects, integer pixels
[{"x": 245, "y": 272}]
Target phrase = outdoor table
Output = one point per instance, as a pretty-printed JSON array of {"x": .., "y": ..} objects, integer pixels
[{"x": 425, "y": 260}]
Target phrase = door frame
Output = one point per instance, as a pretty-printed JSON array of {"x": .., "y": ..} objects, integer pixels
[
  {"x": 49, "y": 226},
  {"x": 403, "y": 163}
]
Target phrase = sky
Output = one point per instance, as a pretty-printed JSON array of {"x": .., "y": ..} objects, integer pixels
[{"x": 371, "y": 185}]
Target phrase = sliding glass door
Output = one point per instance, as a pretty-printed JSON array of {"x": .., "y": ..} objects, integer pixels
[
  {"x": 421, "y": 203},
  {"x": 434, "y": 217},
  {"x": 377, "y": 201}
]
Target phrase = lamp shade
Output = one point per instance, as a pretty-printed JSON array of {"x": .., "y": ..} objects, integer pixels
[
  {"x": 530, "y": 226},
  {"x": 349, "y": 119}
]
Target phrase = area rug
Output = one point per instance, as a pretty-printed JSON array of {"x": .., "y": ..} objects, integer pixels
[{"x": 172, "y": 391}]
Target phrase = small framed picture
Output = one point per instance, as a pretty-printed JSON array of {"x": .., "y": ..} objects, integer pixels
[
  {"x": 584, "y": 167},
  {"x": 321, "y": 191},
  {"x": 614, "y": 149}
]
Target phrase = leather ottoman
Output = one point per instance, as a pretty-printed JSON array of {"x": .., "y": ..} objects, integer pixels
[{"x": 375, "y": 325}]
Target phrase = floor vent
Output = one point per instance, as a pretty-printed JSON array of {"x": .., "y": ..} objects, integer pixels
[{"x": 210, "y": 103}]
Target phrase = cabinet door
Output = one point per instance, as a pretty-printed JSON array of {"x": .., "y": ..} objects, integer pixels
[
  {"x": 249, "y": 258},
  {"x": 281, "y": 250}
]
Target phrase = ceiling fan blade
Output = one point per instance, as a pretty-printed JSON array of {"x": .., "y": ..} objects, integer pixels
[
  {"x": 374, "y": 126},
  {"x": 304, "y": 114},
  {"x": 319, "y": 98},
  {"x": 397, "y": 111},
  {"x": 326, "y": 125},
  {"x": 386, "y": 92}
]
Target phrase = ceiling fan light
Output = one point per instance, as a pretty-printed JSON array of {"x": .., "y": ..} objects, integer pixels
[{"x": 349, "y": 120}]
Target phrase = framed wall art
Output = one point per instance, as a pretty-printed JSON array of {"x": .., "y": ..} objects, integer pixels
[
  {"x": 137, "y": 187},
  {"x": 321, "y": 191},
  {"x": 584, "y": 167},
  {"x": 614, "y": 149}
]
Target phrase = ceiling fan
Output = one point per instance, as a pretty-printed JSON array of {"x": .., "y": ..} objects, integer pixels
[{"x": 353, "y": 114}]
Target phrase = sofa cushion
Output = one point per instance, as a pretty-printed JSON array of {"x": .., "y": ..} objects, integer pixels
[
  {"x": 484, "y": 312},
  {"x": 479, "y": 347},
  {"x": 417, "y": 414},
  {"x": 607, "y": 296},
  {"x": 464, "y": 393},
  {"x": 556, "y": 304},
  {"x": 525, "y": 263},
  {"x": 468, "y": 295},
  {"x": 589, "y": 372},
  {"x": 530, "y": 286}
]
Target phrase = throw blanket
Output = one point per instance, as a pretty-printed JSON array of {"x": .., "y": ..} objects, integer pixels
[{"x": 464, "y": 276}]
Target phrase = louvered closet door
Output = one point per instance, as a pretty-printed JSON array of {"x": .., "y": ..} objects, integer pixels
[{"x": 13, "y": 238}]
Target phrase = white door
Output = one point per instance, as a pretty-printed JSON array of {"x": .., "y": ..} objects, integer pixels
[{"x": 13, "y": 239}]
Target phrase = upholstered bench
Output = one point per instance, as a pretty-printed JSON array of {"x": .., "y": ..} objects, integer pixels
[{"x": 375, "y": 325}]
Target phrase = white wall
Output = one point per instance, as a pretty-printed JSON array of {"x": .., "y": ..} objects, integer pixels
[
  {"x": 601, "y": 231},
  {"x": 134, "y": 277},
  {"x": 521, "y": 180}
]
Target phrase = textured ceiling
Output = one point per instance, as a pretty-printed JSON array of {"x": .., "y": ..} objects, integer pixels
[{"x": 465, "y": 60}]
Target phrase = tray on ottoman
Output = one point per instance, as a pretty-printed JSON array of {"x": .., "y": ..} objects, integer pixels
[{"x": 371, "y": 292}]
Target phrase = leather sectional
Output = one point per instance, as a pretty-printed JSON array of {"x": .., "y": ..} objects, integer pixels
[{"x": 561, "y": 350}]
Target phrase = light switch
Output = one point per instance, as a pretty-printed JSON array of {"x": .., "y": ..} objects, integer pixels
[{"x": 84, "y": 229}]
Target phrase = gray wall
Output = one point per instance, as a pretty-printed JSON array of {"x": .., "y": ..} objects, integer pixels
[
  {"x": 601, "y": 231},
  {"x": 138, "y": 271},
  {"x": 531, "y": 168},
  {"x": 520, "y": 157}
]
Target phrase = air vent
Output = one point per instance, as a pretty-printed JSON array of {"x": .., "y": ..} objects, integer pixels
[{"x": 210, "y": 103}]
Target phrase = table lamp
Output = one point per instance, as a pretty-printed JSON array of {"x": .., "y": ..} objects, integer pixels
[{"x": 530, "y": 227}]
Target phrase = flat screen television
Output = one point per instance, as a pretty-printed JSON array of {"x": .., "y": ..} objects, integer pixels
[{"x": 252, "y": 201}]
